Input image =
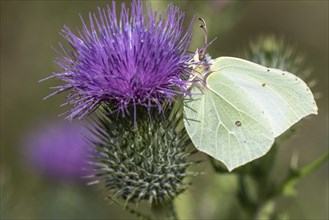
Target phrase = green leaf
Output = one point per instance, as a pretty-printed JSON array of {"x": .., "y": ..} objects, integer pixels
[{"x": 242, "y": 108}]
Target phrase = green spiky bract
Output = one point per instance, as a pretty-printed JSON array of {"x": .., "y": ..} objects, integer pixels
[
  {"x": 142, "y": 160},
  {"x": 274, "y": 52}
]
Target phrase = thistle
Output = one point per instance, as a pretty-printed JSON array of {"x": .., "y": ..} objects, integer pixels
[
  {"x": 58, "y": 151},
  {"x": 133, "y": 59},
  {"x": 271, "y": 51},
  {"x": 148, "y": 162},
  {"x": 276, "y": 53}
]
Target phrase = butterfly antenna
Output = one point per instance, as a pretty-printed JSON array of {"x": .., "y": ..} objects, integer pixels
[{"x": 203, "y": 25}]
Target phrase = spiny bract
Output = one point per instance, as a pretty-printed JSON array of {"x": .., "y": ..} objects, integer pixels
[
  {"x": 274, "y": 52},
  {"x": 148, "y": 161}
]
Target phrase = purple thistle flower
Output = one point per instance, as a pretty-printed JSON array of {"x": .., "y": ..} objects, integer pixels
[
  {"x": 59, "y": 150},
  {"x": 127, "y": 60}
]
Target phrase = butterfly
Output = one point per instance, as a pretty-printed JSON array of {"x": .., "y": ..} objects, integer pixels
[{"x": 240, "y": 107}]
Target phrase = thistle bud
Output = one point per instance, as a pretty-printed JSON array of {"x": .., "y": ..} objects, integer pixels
[
  {"x": 143, "y": 161},
  {"x": 274, "y": 52}
]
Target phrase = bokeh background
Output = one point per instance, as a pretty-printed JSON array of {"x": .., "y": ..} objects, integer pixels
[{"x": 29, "y": 28}]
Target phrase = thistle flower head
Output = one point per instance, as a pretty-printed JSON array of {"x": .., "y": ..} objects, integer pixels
[
  {"x": 148, "y": 162},
  {"x": 58, "y": 150},
  {"x": 125, "y": 60}
]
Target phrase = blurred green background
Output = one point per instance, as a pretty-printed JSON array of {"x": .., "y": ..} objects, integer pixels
[{"x": 29, "y": 28}]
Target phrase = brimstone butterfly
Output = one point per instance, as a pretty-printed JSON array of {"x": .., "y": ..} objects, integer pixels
[{"x": 241, "y": 107}]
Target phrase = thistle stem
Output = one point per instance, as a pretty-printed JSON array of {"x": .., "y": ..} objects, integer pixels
[
  {"x": 138, "y": 214},
  {"x": 165, "y": 211},
  {"x": 172, "y": 211},
  {"x": 296, "y": 175}
]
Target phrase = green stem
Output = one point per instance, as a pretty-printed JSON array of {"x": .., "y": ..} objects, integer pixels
[
  {"x": 244, "y": 197},
  {"x": 314, "y": 165},
  {"x": 172, "y": 211},
  {"x": 266, "y": 208},
  {"x": 287, "y": 187},
  {"x": 131, "y": 210},
  {"x": 265, "y": 211},
  {"x": 164, "y": 211}
]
